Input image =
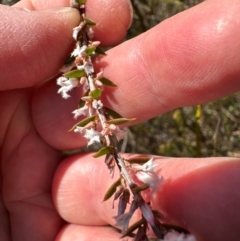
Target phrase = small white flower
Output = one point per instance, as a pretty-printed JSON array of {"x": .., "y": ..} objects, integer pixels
[
  {"x": 97, "y": 104},
  {"x": 90, "y": 33},
  {"x": 149, "y": 166},
  {"x": 92, "y": 136},
  {"x": 175, "y": 236},
  {"x": 67, "y": 85},
  {"x": 76, "y": 30},
  {"x": 78, "y": 51},
  {"x": 81, "y": 111},
  {"x": 152, "y": 179}
]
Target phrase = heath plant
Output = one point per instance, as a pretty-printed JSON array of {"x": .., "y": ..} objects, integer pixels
[{"x": 102, "y": 125}]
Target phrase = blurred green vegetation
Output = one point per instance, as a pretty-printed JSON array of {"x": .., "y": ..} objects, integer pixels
[{"x": 205, "y": 130}]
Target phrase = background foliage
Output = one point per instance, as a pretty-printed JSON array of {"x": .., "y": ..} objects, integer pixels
[{"x": 206, "y": 130}]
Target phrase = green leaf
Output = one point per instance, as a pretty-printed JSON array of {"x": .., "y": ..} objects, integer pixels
[
  {"x": 112, "y": 189},
  {"x": 84, "y": 122},
  {"x": 103, "y": 151},
  {"x": 82, "y": 1},
  {"x": 89, "y": 21},
  {"x": 112, "y": 113},
  {"x": 133, "y": 227},
  {"x": 95, "y": 94},
  {"x": 139, "y": 159},
  {"x": 141, "y": 188},
  {"x": 99, "y": 50},
  {"x": 77, "y": 73},
  {"x": 89, "y": 51},
  {"x": 108, "y": 82},
  {"x": 120, "y": 121}
]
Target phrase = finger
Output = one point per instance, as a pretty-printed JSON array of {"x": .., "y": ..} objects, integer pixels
[
  {"x": 84, "y": 233},
  {"x": 34, "y": 48},
  {"x": 185, "y": 64},
  {"x": 27, "y": 168},
  {"x": 177, "y": 63},
  {"x": 113, "y": 17},
  {"x": 200, "y": 195}
]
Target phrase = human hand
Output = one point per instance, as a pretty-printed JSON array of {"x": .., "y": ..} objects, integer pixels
[
  {"x": 33, "y": 47},
  {"x": 161, "y": 75},
  {"x": 186, "y": 60}
]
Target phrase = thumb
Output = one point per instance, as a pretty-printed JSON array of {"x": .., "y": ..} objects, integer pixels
[{"x": 33, "y": 44}]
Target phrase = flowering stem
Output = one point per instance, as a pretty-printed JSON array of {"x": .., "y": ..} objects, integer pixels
[{"x": 82, "y": 73}]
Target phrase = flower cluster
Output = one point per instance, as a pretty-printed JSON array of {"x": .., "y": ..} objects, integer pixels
[{"x": 99, "y": 124}]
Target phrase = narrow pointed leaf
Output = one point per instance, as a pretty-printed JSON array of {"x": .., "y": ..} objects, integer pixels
[
  {"x": 112, "y": 189},
  {"x": 84, "y": 122},
  {"x": 99, "y": 50},
  {"x": 89, "y": 21},
  {"x": 132, "y": 228},
  {"x": 120, "y": 121},
  {"x": 103, "y": 151},
  {"x": 95, "y": 94},
  {"x": 77, "y": 73},
  {"x": 139, "y": 160},
  {"x": 89, "y": 51},
  {"x": 141, "y": 188},
  {"x": 112, "y": 113},
  {"x": 108, "y": 82}
]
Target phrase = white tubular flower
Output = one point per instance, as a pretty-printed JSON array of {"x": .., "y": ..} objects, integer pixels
[
  {"x": 67, "y": 85},
  {"x": 78, "y": 51},
  {"x": 97, "y": 104},
  {"x": 92, "y": 136},
  {"x": 146, "y": 174},
  {"x": 81, "y": 111},
  {"x": 150, "y": 178},
  {"x": 90, "y": 33},
  {"x": 175, "y": 236},
  {"x": 76, "y": 30},
  {"x": 149, "y": 166}
]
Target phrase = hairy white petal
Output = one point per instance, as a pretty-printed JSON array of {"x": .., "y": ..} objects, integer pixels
[
  {"x": 175, "y": 236},
  {"x": 81, "y": 111}
]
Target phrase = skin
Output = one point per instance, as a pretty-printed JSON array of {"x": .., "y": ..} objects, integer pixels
[{"x": 188, "y": 59}]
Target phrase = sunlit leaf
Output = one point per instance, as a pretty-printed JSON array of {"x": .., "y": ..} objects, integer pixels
[
  {"x": 99, "y": 50},
  {"x": 112, "y": 190},
  {"x": 103, "y": 151},
  {"x": 77, "y": 73},
  {"x": 141, "y": 188},
  {"x": 95, "y": 94},
  {"x": 139, "y": 160},
  {"x": 89, "y": 51},
  {"x": 89, "y": 21},
  {"x": 120, "y": 121},
  {"x": 84, "y": 122},
  {"x": 108, "y": 82},
  {"x": 112, "y": 113}
]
